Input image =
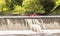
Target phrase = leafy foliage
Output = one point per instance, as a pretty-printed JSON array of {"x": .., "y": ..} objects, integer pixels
[
  {"x": 18, "y": 10},
  {"x": 29, "y": 6},
  {"x": 2, "y": 4},
  {"x": 57, "y": 3},
  {"x": 17, "y": 2},
  {"x": 33, "y": 6}
]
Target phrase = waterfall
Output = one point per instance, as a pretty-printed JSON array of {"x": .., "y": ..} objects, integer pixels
[
  {"x": 3, "y": 24},
  {"x": 33, "y": 24},
  {"x": 29, "y": 24},
  {"x": 42, "y": 24},
  {"x": 8, "y": 23}
]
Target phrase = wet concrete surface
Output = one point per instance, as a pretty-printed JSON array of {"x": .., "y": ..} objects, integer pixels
[
  {"x": 20, "y": 24},
  {"x": 40, "y": 34}
]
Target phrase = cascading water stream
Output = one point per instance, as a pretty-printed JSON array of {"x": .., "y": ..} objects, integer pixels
[
  {"x": 33, "y": 24},
  {"x": 3, "y": 24},
  {"x": 29, "y": 24}
]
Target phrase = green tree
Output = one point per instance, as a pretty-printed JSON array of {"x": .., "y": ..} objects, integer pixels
[
  {"x": 48, "y": 6},
  {"x": 33, "y": 6},
  {"x": 18, "y": 10},
  {"x": 56, "y": 9},
  {"x": 2, "y": 5},
  {"x": 57, "y": 3},
  {"x": 17, "y": 2}
]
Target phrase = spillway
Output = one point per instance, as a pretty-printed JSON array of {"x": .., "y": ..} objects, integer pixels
[
  {"x": 29, "y": 23},
  {"x": 36, "y": 25}
]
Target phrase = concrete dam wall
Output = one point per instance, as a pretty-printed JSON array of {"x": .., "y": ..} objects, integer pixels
[{"x": 29, "y": 23}]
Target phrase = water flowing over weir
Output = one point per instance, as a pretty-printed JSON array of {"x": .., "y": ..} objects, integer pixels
[{"x": 36, "y": 23}]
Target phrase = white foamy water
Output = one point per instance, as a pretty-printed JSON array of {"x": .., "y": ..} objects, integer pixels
[
  {"x": 33, "y": 24},
  {"x": 16, "y": 32},
  {"x": 27, "y": 32}
]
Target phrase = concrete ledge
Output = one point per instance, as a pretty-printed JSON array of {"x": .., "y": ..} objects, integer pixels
[
  {"x": 29, "y": 17},
  {"x": 28, "y": 32}
]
